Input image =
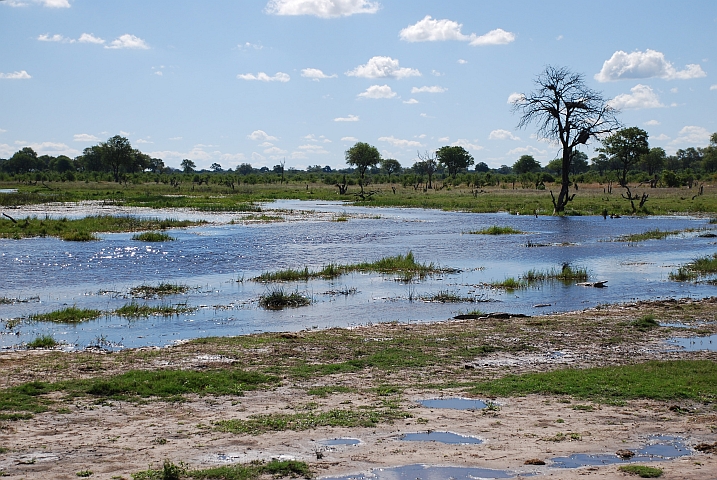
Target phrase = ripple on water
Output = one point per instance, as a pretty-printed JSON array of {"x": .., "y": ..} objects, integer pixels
[{"x": 454, "y": 403}]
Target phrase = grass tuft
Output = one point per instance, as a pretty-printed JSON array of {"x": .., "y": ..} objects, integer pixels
[
  {"x": 641, "y": 471},
  {"x": 43, "y": 341},
  {"x": 136, "y": 310},
  {"x": 153, "y": 237},
  {"x": 278, "y": 299},
  {"x": 148, "y": 291},
  {"x": 67, "y": 315},
  {"x": 655, "y": 234},
  {"x": 645, "y": 323},
  {"x": 496, "y": 230},
  {"x": 700, "y": 267},
  {"x": 254, "y": 470}
]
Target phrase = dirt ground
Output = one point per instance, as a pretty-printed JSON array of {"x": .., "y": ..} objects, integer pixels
[{"x": 114, "y": 439}]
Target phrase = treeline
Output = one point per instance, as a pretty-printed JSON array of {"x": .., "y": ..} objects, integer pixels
[{"x": 625, "y": 157}]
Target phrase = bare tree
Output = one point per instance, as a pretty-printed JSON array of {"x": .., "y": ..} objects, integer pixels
[
  {"x": 427, "y": 165},
  {"x": 565, "y": 111}
]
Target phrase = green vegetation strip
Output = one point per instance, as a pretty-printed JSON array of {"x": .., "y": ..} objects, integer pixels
[
  {"x": 670, "y": 380},
  {"x": 83, "y": 228},
  {"x": 136, "y": 310},
  {"x": 277, "y": 422},
  {"x": 405, "y": 264},
  {"x": 145, "y": 291},
  {"x": 641, "y": 471},
  {"x": 278, "y": 299},
  {"x": 249, "y": 471},
  {"x": 655, "y": 234},
  {"x": 565, "y": 274},
  {"x": 153, "y": 237},
  {"x": 700, "y": 267},
  {"x": 496, "y": 230},
  {"x": 67, "y": 315}
]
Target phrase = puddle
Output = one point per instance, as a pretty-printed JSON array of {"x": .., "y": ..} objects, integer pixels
[
  {"x": 675, "y": 325},
  {"x": 8, "y": 190},
  {"x": 695, "y": 344},
  {"x": 658, "y": 448},
  {"x": 441, "y": 437},
  {"x": 335, "y": 442},
  {"x": 412, "y": 472},
  {"x": 454, "y": 403}
]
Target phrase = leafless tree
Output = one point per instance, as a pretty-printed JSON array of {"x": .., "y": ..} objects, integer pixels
[{"x": 565, "y": 111}]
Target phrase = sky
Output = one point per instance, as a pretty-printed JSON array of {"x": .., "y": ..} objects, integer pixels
[{"x": 301, "y": 81}]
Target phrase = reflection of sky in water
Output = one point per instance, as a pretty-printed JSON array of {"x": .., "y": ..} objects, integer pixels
[
  {"x": 659, "y": 447},
  {"x": 453, "y": 403},
  {"x": 440, "y": 437},
  {"x": 695, "y": 344},
  {"x": 426, "y": 472},
  {"x": 210, "y": 260}
]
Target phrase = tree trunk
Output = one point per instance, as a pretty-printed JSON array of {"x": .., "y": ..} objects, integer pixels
[{"x": 564, "y": 196}]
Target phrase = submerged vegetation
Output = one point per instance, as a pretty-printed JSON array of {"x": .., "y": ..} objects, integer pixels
[
  {"x": 496, "y": 230},
  {"x": 136, "y": 310},
  {"x": 278, "y": 299},
  {"x": 67, "y": 315},
  {"x": 700, "y": 267},
  {"x": 566, "y": 274},
  {"x": 153, "y": 237},
  {"x": 160, "y": 290},
  {"x": 655, "y": 234}
]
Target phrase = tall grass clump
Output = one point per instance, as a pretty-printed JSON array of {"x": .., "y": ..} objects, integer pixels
[
  {"x": 67, "y": 315},
  {"x": 655, "y": 234},
  {"x": 496, "y": 230},
  {"x": 43, "y": 341},
  {"x": 147, "y": 291},
  {"x": 564, "y": 274},
  {"x": 153, "y": 237},
  {"x": 136, "y": 310},
  {"x": 699, "y": 267},
  {"x": 278, "y": 299}
]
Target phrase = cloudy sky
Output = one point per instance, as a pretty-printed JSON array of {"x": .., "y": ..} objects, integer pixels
[{"x": 259, "y": 81}]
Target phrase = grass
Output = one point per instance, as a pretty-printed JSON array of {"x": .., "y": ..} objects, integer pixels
[
  {"x": 655, "y": 234},
  {"x": 325, "y": 391},
  {"x": 84, "y": 473},
  {"x": 566, "y": 274},
  {"x": 136, "y": 310},
  {"x": 248, "y": 471},
  {"x": 645, "y": 323},
  {"x": 399, "y": 264},
  {"x": 43, "y": 341},
  {"x": 446, "y": 296},
  {"x": 83, "y": 229},
  {"x": 148, "y": 291},
  {"x": 69, "y": 315},
  {"x": 277, "y": 422},
  {"x": 496, "y": 230},
  {"x": 510, "y": 283},
  {"x": 153, "y": 237},
  {"x": 641, "y": 471},
  {"x": 669, "y": 380},
  {"x": 700, "y": 267},
  {"x": 278, "y": 299}
]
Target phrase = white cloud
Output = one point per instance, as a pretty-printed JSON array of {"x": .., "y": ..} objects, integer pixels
[
  {"x": 467, "y": 144},
  {"x": 350, "y": 118},
  {"x": 529, "y": 150},
  {"x": 232, "y": 157},
  {"x": 311, "y": 148},
  {"x": 90, "y": 38},
  {"x": 713, "y": 87},
  {"x": 674, "y": 90},
  {"x": 349, "y": 139},
  {"x": 257, "y": 157},
  {"x": 159, "y": 73},
  {"x": 274, "y": 151},
  {"x": 515, "y": 98},
  {"x": 494, "y": 37},
  {"x": 411, "y": 101},
  {"x": 426, "y": 89},
  {"x": 51, "y": 148},
  {"x": 502, "y": 135},
  {"x": 640, "y": 96},
  {"x": 6, "y": 150},
  {"x": 249, "y": 46},
  {"x": 646, "y": 64},
  {"x": 652, "y": 123},
  {"x": 436, "y": 73},
  {"x": 45, "y": 37},
  {"x": 378, "y": 91},
  {"x": 430, "y": 30},
  {"x": 56, "y": 3},
  {"x": 397, "y": 142},
  {"x": 559, "y": 37},
  {"x": 692, "y": 135},
  {"x": 321, "y": 8},
  {"x": 383, "y": 67},
  {"x": 128, "y": 41},
  {"x": 2, "y": 130},
  {"x": 462, "y": 62},
  {"x": 444, "y": 139},
  {"x": 84, "y": 137},
  {"x": 315, "y": 74},
  {"x": 263, "y": 77},
  {"x": 143, "y": 141},
  {"x": 261, "y": 136},
  {"x": 266, "y": 144},
  {"x": 312, "y": 138},
  {"x": 21, "y": 75}
]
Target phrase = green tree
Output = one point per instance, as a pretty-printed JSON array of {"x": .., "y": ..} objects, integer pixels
[
  {"x": 709, "y": 155},
  {"x": 454, "y": 159},
  {"x": 188, "y": 166},
  {"x": 653, "y": 161},
  {"x": 626, "y": 146},
  {"x": 23, "y": 161},
  {"x": 482, "y": 167},
  {"x": 245, "y": 169},
  {"x": 362, "y": 156},
  {"x": 156, "y": 165},
  {"x": 567, "y": 111},
  {"x": 579, "y": 164},
  {"x": 689, "y": 157},
  {"x": 117, "y": 155},
  {"x": 215, "y": 167},
  {"x": 389, "y": 165},
  {"x": 526, "y": 164}
]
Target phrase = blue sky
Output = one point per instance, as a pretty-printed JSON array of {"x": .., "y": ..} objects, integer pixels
[{"x": 259, "y": 81}]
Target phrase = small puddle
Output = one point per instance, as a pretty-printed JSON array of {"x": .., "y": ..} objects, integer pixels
[
  {"x": 441, "y": 437},
  {"x": 454, "y": 403},
  {"x": 695, "y": 344},
  {"x": 334, "y": 442},
  {"x": 412, "y": 472},
  {"x": 8, "y": 190},
  {"x": 658, "y": 448}
]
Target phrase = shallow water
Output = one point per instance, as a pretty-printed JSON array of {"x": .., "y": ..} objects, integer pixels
[
  {"x": 453, "y": 403},
  {"x": 695, "y": 344},
  {"x": 426, "y": 472},
  {"x": 334, "y": 442},
  {"x": 440, "y": 437},
  {"x": 210, "y": 259},
  {"x": 659, "y": 447}
]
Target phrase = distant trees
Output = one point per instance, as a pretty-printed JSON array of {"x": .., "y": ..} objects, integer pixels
[
  {"x": 567, "y": 111},
  {"x": 362, "y": 156},
  {"x": 454, "y": 158},
  {"x": 116, "y": 153},
  {"x": 427, "y": 165},
  {"x": 389, "y": 166},
  {"x": 626, "y": 147},
  {"x": 526, "y": 164},
  {"x": 188, "y": 165}
]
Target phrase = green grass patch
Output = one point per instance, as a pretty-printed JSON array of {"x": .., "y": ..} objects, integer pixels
[
  {"x": 278, "y": 299},
  {"x": 446, "y": 296},
  {"x": 43, "y": 341},
  {"x": 153, "y": 237},
  {"x": 84, "y": 473},
  {"x": 67, "y": 315},
  {"x": 700, "y": 267},
  {"x": 645, "y": 323},
  {"x": 657, "y": 380},
  {"x": 278, "y": 422},
  {"x": 148, "y": 291},
  {"x": 564, "y": 274},
  {"x": 655, "y": 234},
  {"x": 641, "y": 471},
  {"x": 496, "y": 230},
  {"x": 510, "y": 283},
  {"x": 326, "y": 390},
  {"x": 136, "y": 310},
  {"x": 250, "y": 471}
]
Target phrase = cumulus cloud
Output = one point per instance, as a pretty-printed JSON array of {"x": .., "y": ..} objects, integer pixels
[
  {"x": 529, "y": 150},
  {"x": 84, "y": 137},
  {"x": 90, "y": 38},
  {"x": 383, "y": 67},
  {"x": 51, "y": 148},
  {"x": 315, "y": 74},
  {"x": 263, "y": 77},
  {"x": 250, "y": 46},
  {"x": 433, "y": 89},
  {"x": 467, "y": 144},
  {"x": 398, "y": 142},
  {"x": 321, "y": 8},
  {"x": 313, "y": 148},
  {"x": 640, "y": 96},
  {"x": 430, "y": 30},
  {"x": 143, "y": 141},
  {"x": 494, "y": 37},
  {"x": 46, "y": 37},
  {"x": 349, "y": 139},
  {"x": 274, "y": 151},
  {"x": 462, "y": 62},
  {"x": 56, "y": 3},
  {"x": 515, "y": 98},
  {"x": 411, "y": 101},
  {"x": 652, "y": 123},
  {"x": 128, "y": 41},
  {"x": 21, "y": 75},
  {"x": 692, "y": 135},
  {"x": 350, "y": 118},
  {"x": 261, "y": 136},
  {"x": 500, "y": 134},
  {"x": 378, "y": 91},
  {"x": 713, "y": 87},
  {"x": 648, "y": 64}
]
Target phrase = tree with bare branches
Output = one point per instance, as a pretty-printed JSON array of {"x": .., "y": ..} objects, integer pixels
[{"x": 568, "y": 112}]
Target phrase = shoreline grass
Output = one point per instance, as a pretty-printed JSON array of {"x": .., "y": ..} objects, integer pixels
[
  {"x": 43, "y": 341},
  {"x": 655, "y": 234},
  {"x": 136, "y": 310},
  {"x": 251, "y": 471},
  {"x": 700, "y": 267},
  {"x": 69, "y": 315},
  {"x": 497, "y": 230},
  {"x": 566, "y": 274}
]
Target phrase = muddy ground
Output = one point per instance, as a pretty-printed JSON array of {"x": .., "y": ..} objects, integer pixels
[{"x": 114, "y": 438}]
